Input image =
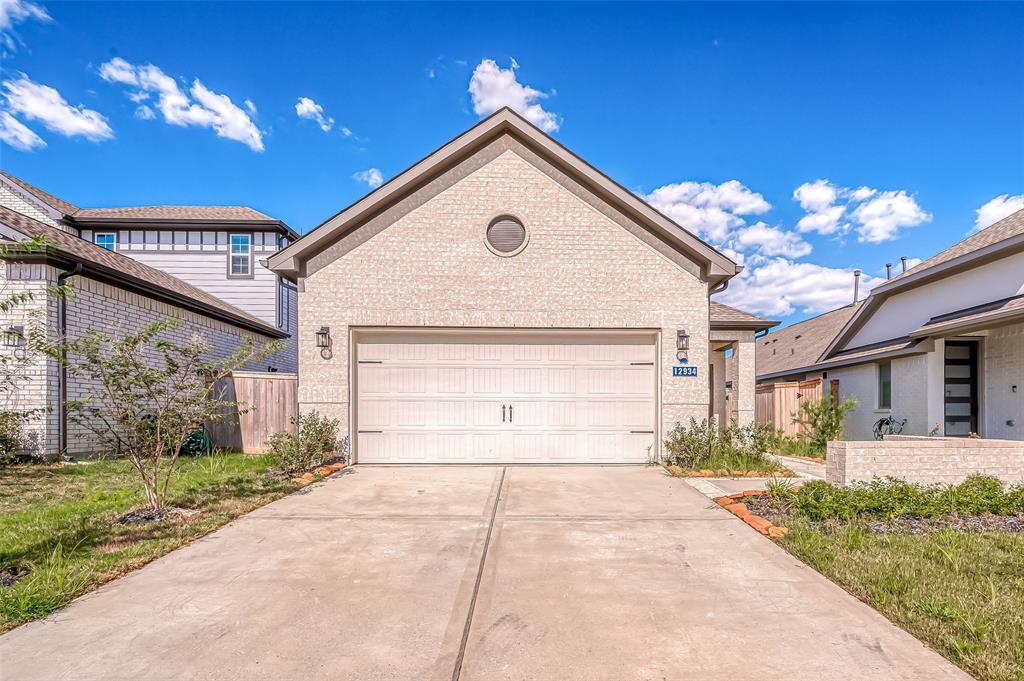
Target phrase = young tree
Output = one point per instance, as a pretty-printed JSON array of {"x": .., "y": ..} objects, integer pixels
[
  {"x": 824, "y": 420},
  {"x": 151, "y": 393}
]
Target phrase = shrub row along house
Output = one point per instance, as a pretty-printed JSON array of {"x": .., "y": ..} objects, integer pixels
[
  {"x": 940, "y": 346},
  {"x": 129, "y": 267}
]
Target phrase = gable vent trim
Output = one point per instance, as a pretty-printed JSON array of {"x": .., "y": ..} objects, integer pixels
[{"x": 506, "y": 236}]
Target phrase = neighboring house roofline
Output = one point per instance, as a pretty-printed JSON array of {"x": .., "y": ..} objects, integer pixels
[
  {"x": 198, "y": 224},
  {"x": 725, "y": 317},
  {"x": 896, "y": 347},
  {"x": 716, "y": 266},
  {"x": 122, "y": 271},
  {"x": 945, "y": 265},
  {"x": 84, "y": 218},
  {"x": 56, "y": 206},
  {"x": 997, "y": 313}
]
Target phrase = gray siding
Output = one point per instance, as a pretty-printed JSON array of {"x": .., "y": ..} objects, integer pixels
[{"x": 201, "y": 259}]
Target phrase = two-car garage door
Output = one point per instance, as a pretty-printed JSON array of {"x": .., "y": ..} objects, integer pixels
[{"x": 491, "y": 398}]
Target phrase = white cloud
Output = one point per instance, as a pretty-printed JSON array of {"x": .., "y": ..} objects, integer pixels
[
  {"x": 370, "y": 176},
  {"x": 205, "y": 108},
  {"x": 16, "y": 12},
  {"x": 250, "y": 106},
  {"x": 144, "y": 113},
  {"x": 16, "y": 134},
  {"x": 37, "y": 102},
  {"x": 772, "y": 241},
  {"x": 493, "y": 87},
  {"x": 346, "y": 132},
  {"x": 876, "y": 215},
  {"x": 998, "y": 208},
  {"x": 881, "y": 217},
  {"x": 818, "y": 199},
  {"x": 780, "y": 287},
  {"x": 307, "y": 108},
  {"x": 709, "y": 210}
]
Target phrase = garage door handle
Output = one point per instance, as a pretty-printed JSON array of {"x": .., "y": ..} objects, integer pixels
[
  {"x": 510, "y": 413},
  {"x": 503, "y": 413}
]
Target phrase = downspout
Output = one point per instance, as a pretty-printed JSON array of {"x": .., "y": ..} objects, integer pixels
[{"x": 62, "y": 375}]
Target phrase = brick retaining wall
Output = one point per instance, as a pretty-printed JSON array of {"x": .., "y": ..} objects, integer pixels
[{"x": 924, "y": 460}]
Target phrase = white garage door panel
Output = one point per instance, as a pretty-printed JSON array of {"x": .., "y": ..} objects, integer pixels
[{"x": 524, "y": 399}]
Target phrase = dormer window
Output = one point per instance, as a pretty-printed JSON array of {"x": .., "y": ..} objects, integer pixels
[
  {"x": 240, "y": 255},
  {"x": 107, "y": 240}
]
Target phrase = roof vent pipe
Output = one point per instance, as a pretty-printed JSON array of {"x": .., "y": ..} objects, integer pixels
[
  {"x": 856, "y": 285},
  {"x": 903, "y": 259},
  {"x": 888, "y": 271}
]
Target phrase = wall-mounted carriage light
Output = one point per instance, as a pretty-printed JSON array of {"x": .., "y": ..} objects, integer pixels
[
  {"x": 323, "y": 341},
  {"x": 14, "y": 336},
  {"x": 682, "y": 345}
]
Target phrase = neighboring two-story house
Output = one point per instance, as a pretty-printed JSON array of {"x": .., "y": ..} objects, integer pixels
[
  {"x": 940, "y": 346},
  {"x": 221, "y": 250}
]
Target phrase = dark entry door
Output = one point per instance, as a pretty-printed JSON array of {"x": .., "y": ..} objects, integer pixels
[{"x": 961, "y": 389}]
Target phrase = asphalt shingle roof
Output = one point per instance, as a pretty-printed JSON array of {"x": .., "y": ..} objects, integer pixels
[
  {"x": 725, "y": 314},
  {"x": 1010, "y": 226},
  {"x": 802, "y": 344},
  {"x": 203, "y": 213},
  {"x": 46, "y": 197}
]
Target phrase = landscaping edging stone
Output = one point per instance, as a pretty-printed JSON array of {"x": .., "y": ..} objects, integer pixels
[
  {"x": 318, "y": 473},
  {"x": 732, "y": 503}
]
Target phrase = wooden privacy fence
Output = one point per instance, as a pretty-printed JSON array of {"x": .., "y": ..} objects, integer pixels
[
  {"x": 267, "y": 403},
  {"x": 776, "y": 404}
]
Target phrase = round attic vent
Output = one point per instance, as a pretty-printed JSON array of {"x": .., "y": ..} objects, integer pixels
[{"x": 506, "y": 235}]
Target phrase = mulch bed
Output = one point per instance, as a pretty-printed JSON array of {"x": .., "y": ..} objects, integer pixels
[
  {"x": 149, "y": 515},
  {"x": 10, "y": 575},
  {"x": 679, "y": 472},
  {"x": 764, "y": 506}
]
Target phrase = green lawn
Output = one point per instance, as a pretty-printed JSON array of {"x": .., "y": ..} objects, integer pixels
[
  {"x": 961, "y": 593},
  {"x": 59, "y": 521}
]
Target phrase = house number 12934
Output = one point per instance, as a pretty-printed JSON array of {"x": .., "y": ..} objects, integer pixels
[{"x": 684, "y": 371}]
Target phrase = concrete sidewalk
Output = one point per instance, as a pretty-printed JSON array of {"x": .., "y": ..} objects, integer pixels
[{"x": 475, "y": 573}]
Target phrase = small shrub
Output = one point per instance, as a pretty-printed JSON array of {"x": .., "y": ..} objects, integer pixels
[
  {"x": 823, "y": 420},
  {"x": 11, "y": 437},
  {"x": 315, "y": 441},
  {"x": 705, "y": 445}
]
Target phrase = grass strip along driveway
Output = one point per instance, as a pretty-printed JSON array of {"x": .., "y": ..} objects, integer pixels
[
  {"x": 59, "y": 530},
  {"x": 945, "y": 563}
]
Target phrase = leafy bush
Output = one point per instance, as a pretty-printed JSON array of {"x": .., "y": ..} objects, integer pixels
[
  {"x": 12, "y": 439},
  {"x": 889, "y": 498},
  {"x": 706, "y": 445},
  {"x": 823, "y": 420},
  {"x": 315, "y": 441}
]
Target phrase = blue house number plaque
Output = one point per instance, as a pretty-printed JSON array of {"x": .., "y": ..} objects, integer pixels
[{"x": 684, "y": 371}]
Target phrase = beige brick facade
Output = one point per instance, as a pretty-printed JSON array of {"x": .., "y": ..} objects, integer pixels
[{"x": 425, "y": 263}]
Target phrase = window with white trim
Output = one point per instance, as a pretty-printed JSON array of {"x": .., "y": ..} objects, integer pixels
[
  {"x": 240, "y": 255},
  {"x": 107, "y": 240}
]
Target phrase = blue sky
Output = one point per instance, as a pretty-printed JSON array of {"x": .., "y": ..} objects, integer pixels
[{"x": 805, "y": 139}]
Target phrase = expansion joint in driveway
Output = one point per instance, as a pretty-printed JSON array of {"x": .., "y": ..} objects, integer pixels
[{"x": 457, "y": 672}]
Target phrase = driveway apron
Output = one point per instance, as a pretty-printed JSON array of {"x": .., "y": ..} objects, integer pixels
[{"x": 453, "y": 573}]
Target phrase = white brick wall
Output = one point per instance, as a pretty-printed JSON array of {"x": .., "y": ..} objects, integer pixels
[
  {"x": 925, "y": 460},
  {"x": 1004, "y": 382},
  {"x": 426, "y": 264},
  {"x": 113, "y": 310}
]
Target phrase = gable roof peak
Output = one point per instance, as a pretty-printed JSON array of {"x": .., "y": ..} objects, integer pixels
[{"x": 290, "y": 261}]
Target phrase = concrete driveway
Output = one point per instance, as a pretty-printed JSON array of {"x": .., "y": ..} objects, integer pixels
[{"x": 473, "y": 573}]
